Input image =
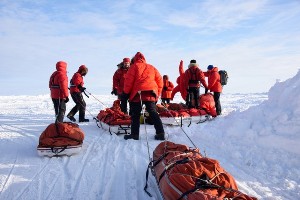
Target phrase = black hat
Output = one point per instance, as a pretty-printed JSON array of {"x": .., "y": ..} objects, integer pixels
[{"x": 193, "y": 61}]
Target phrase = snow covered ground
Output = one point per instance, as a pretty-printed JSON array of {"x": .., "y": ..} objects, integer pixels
[{"x": 257, "y": 140}]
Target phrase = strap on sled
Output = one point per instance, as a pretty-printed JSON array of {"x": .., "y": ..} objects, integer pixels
[
  {"x": 57, "y": 151},
  {"x": 151, "y": 165},
  {"x": 170, "y": 166}
]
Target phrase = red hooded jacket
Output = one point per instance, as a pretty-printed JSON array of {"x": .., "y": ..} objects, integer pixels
[
  {"x": 142, "y": 77},
  {"x": 192, "y": 76},
  {"x": 118, "y": 79},
  {"x": 214, "y": 84},
  {"x": 167, "y": 94},
  {"x": 77, "y": 79},
  {"x": 58, "y": 82}
]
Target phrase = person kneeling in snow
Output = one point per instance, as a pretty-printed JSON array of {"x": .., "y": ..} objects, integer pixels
[
  {"x": 214, "y": 85},
  {"x": 76, "y": 89},
  {"x": 143, "y": 85}
]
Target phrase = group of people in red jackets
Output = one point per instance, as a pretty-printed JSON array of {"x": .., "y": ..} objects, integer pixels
[{"x": 139, "y": 83}]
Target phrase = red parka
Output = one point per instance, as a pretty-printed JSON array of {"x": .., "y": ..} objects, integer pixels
[
  {"x": 214, "y": 84},
  {"x": 77, "y": 79},
  {"x": 58, "y": 82},
  {"x": 167, "y": 94},
  {"x": 118, "y": 80},
  {"x": 192, "y": 76},
  {"x": 142, "y": 77}
]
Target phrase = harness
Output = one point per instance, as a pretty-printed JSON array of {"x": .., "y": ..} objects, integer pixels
[
  {"x": 71, "y": 83},
  {"x": 193, "y": 79},
  {"x": 52, "y": 85}
]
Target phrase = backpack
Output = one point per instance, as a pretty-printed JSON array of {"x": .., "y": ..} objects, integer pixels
[{"x": 223, "y": 77}]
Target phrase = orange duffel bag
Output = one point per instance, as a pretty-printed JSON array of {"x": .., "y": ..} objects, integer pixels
[
  {"x": 61, "y": 134},
  {"x": 182, "y": 173}
]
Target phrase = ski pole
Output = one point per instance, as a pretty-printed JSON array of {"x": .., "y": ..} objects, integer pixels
[{"x": 96, "y": 98}]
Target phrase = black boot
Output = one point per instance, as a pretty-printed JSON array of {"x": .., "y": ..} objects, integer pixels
[
  {"x": 84, "y": 120},
  {"x": 159, "y": 136},
  {"x": 131, "y": 136},
  {"x": 71, "y": 118}
]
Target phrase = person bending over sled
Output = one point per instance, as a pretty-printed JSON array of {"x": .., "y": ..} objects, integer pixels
[
  {"x": 58, "y": 85},
  {"x": 143, "y": 85},
  {"x": 214, "y": 85},
  {"x": 166, "y": 93},
  {"x": 193, "y": 75},
  {"x": 76, "y": 89}
]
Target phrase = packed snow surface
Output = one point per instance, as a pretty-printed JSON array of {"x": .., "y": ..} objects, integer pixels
[{"x": 257, "y": 140}]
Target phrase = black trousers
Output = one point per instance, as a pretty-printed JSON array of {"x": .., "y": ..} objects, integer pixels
[
  {"x": 217, "y": 102},
  {"x": 123, "y": 105},
  {"x": 135, "y": 111},
  {"x": 60, "y": 109},
  {"x": 165, "y": 100},
  {"x": 80, "y": 105},
  {"x": 193, "y": 94}
]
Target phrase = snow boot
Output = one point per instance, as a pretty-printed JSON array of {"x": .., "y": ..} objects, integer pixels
[
  {"x": 71, "y": 118},
  {"x": 159, "y": 136},
  {"x": 131, "y": 136},
  {"x": 84, "y": 120}
]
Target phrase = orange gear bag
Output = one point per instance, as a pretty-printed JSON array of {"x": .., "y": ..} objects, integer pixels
[
  {"x": 182, "y": 173},
  {"x": 61, "y": 135}
]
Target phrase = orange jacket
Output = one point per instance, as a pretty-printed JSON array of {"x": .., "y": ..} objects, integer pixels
[
  {"x": 76, "y": 80},
  {"x": 58, "y": 82},
  {"x": 192, "y": 76},
  {"x": 118, "y": 79},
  {"x": 167, "y": 94},
  {"x": 142, "y": 77},
  {"x": 214, "y": 84}
]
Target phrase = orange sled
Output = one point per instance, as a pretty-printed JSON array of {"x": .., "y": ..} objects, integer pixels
[
  {"x": 60, "y": 139},
  {"x": 182, "y": 173}
]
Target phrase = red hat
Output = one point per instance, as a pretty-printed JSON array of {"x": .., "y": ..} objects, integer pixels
[{"x": 126, "y": 60}]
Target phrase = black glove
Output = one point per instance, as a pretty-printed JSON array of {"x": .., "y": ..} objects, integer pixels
[
  {"x": 124, "y": 97},
  {"x": 165, "y": 88},
  {"x": 81, "y": 88},
  {"x": 114, "y": 92},
  {"x": 67, "y": 100},
  {"x": 206, "y": 90}
]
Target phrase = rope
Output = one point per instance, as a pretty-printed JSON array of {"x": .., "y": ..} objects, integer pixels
[
  {"x": 96, "y": 99},
  {"x": 179, "y": 125},
  {"x": 143, "y": 113}
]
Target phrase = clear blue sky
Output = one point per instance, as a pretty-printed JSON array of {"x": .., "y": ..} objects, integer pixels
[{"x": 256, "y": 41}]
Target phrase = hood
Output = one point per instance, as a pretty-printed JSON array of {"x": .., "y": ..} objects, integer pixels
[
  {"x": 215, "y": 69},
  {"x": 82, "y": 68},
  {"x": 61, "y": 66},
  {"x": 139, "y": 57}
]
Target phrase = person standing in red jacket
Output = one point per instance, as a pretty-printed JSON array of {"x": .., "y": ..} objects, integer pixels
[
  {"x": 58, "y": 85},
  {"x": 214, "y": 85},
  {"x": 76, "y": 89},
  {"x": 118, "y": 81},
  {"x": 143, "y": 85},
  {"x": 166, "y": 94},
  {"x": 192, "y": 76}
]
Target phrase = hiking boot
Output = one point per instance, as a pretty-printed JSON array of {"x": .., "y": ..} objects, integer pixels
[
  {"x": 71, "y": 118},
  {"x": 135, "y": 137},
  {"x": 84, "y": 120},
  {"x": 159, "y": 136}
]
